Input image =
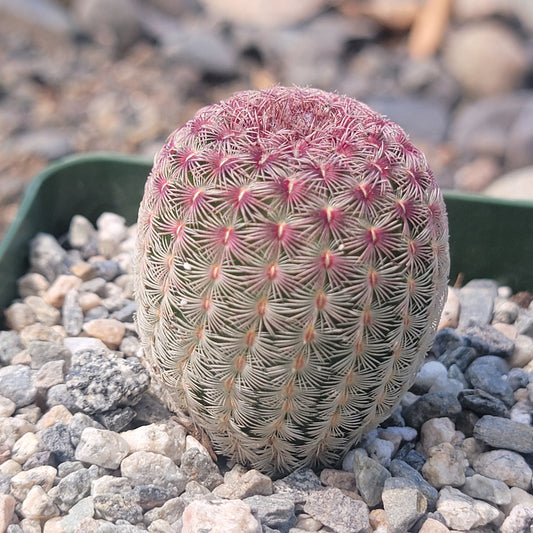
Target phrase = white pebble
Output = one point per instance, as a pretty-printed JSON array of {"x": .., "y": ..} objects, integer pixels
[
  {"x": 429, "y": 373},
  {"x": 407, "y": 433},
  {"x": 348, "y": 461},
  {"x": 232, "y": 516},
  {"x": 38, "y": 504},
  {"x": 436, "y": 431},
  {"x": 101, "y": 447},
  {"x": 381, "y": 451},
  {"x": 7, "y": 407},
  {"x": 165, "y": 438}
]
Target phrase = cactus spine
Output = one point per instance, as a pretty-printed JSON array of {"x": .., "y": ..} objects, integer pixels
[{"x": 292, "y": 262}]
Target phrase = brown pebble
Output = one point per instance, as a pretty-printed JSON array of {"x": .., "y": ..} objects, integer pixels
[
  {"x": 429, "y": 28},
  {"x": 523, "y": 299},
  {"x": 83, "y": 270},
  {"x": 89, "y": 300},
  {"x": 56, "y": 293},
  {"x": 108, "y": 330},
  {"x": 19, "y": 315}
]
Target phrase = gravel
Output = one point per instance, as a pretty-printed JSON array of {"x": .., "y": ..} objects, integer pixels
[
  {"x": 456, "y": 76},
  {"x": 87, "y": 445}
]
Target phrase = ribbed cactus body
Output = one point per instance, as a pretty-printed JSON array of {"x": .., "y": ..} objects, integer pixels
[{"x": 292, "y": 262}]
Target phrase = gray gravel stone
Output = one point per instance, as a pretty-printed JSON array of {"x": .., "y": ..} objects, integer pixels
[
  {"x": 198, "y": 466},
  {"x": 482, "y": 403},
  {"x": 370, "y": 477},
  {"x": 125, "y": 313},
  {"x": 429, "y": 373},
  {"x": 98, "y": 384},
  {"x": 476, "y": 301},
  {"x": 505, "y": 465},
  {"x": 117, "y": 28},
  {"x": 42, "y": 352},
  {"x": 524, "y": 324},
  {"x": 400, "y": 468},
  {"x": 74, "y": 487},
  {"x": 338, "y": 511},
  {"x": 487, "y": 340},
  {"x": 45, "y": 458},
  {"x": 298, "y": 484},
  {"x": 504, "y": 433},
  {"x": 10, "y": 345},
  {"x": 461, "y": 356},
  {"x": 200, "y": 47},
  {"x": 167, "y": 438},
  {"x": 130, "y": 346},
  {"x": 275, "y": 511},
  {"x": 487, "y": 373},
  {"x": 60, "y": 395},
  {"x": 106, "y": 269},
  {"x": 518, "y": 378},
  {"x": 57, "y": 439},
  {"x": 115, "y": 507},
  {"x": 520, "y": 140},
  {"x": 482, "y": 127},
  {"x": 16, "y": 384},
  {"x": 47, "y": 256},
  {"x": 81, "y": 345},
  {"x": 116, "y": 420},
  {"x": 431, "y": 405},
  {"x": 196, "y": 491},
  {"x": 96, "y": 313},
  {"x": 415, "y": 115},
  {"x": 487, "y": 489},
  {"x": 95, "y": 285},
  {"x": 66, "y": 468},
  {"x": 446, "y": 340},
  {"x": 223, "y": 515},
  {"x": 411, "y": 456},
  {"x": 71, "y": 313},
  {"x": 22, "y": 482},
  {"x": 150, "y": 408},
  {"x": 150, "y": 496},
  {"x": 403, "y": 502},
  {"x": 26, "y": 446},
  {"x": 455, "y": 373}
]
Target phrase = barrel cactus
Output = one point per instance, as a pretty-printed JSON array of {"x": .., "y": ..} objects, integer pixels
[{"x": 291, "y": 268}]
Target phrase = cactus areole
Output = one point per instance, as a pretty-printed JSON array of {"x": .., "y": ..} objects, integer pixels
[{"x": 291, "y": 268}]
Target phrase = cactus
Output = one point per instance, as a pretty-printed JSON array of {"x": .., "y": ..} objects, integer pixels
[{"x": 291, "y": 268}]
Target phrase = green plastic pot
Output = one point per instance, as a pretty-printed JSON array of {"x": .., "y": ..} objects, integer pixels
[{"x": 489, "y": 238}]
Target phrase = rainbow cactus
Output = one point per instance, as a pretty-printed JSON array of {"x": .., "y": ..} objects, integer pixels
[{"x": 291, "y": 268}]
